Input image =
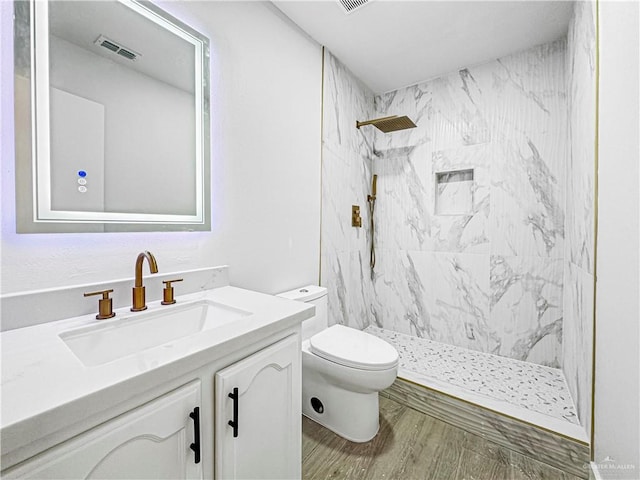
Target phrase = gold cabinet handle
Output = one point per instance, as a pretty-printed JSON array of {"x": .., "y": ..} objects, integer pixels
[
  {"x": 105, "y": 306},
  {"x": 167, "y": 293}
]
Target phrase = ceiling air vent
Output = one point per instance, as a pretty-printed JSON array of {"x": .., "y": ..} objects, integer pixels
[
  {"x": 117, "y": 48},
  {"x": 350, "y": 6}
]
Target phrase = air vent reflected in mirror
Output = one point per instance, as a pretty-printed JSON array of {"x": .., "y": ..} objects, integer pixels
[
  {"x": 111, "y": 46},
  {"x": 127, "y": 54},
  {"x": 115, "y": 47},
  {"x": 350, "y": 6}
]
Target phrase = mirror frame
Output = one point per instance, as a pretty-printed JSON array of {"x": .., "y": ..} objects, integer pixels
[{"x": 33, "y": 189}]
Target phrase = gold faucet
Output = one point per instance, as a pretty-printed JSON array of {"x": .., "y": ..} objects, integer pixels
[{"x": 139, "y": 303}]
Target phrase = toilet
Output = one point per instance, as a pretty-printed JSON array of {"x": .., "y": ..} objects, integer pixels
[{"x": 343, "y": 369}]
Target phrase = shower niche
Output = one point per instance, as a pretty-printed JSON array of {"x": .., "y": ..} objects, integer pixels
[{"x": 454, "y": 192}]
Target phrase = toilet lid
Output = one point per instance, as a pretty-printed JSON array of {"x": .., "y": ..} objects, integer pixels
[{"x": 353, "y": 348}]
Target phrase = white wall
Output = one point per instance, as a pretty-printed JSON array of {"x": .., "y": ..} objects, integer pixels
[
  {"x": 72, "y": 151},
  {"x": 265, "y": 109},
  {"x": 617, "y": 402},
  {"x": 144, "y": 171}
]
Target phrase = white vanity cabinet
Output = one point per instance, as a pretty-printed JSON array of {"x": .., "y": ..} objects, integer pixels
[
  {"x": 185, "y": 433},
  {"x": 130, "y": 416},
  {"x": 258, "y": 415},
  {"x": 152, "y": 441}
]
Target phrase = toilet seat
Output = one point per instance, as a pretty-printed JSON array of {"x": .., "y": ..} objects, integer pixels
[{"x": 353, "y": 348}]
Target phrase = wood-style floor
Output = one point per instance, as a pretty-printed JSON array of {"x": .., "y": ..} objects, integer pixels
[{"x": 411, "y": 445}]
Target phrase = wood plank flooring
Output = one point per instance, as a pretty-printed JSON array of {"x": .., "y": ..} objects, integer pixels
[
  {"x": 559, "y": 451},
  {"x": 411, "y": 445}
]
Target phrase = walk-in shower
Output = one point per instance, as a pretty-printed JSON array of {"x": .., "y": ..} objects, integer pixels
[{"x": 482, "y": 284}]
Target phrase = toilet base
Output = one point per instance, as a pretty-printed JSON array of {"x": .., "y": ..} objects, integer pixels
[{"x": 352, "y": 415}]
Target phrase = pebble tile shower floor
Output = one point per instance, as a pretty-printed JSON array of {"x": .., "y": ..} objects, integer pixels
[{"x": 522, "y": 384}]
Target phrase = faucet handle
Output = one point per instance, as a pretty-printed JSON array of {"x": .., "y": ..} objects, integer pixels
[
  {"x": 167, "y": 293},
  {"x": 105, "y": 308}
]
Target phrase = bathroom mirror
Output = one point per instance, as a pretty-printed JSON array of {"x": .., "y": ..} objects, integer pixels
[{"x": 112, "y": 118}]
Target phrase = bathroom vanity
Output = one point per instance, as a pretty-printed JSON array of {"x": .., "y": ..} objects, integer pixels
[{"x": 206, "y": 388}]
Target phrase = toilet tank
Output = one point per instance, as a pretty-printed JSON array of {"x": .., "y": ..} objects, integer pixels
[{"x": 318, "y": 297}]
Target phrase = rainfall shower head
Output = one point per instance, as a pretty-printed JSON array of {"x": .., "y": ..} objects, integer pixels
[{"x": 389, "y": 124}]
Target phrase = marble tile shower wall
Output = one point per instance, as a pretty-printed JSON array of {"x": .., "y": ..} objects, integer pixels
[
  {"x": 346, "y": 174},
  {"x": 486, "y": 274},
  {"x": 577, "y": 354}
]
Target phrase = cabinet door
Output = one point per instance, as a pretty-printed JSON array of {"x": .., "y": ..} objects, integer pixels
[
  {"x": 267, "y": 438},
  {"x": 150, "y": 442}
]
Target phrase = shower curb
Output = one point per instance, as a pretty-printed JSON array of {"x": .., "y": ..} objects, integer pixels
[{"x": 564, "y": 453}]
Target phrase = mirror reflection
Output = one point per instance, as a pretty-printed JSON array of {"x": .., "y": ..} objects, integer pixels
[{"x": 120, "y": 120}]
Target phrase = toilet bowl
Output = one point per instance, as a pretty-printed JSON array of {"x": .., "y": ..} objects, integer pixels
[{"x": 343, "y": 369}]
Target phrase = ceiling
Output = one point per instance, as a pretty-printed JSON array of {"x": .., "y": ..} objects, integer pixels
[
  {"x": 163, "y": 55},
  {"x": 390, "y": 44}
]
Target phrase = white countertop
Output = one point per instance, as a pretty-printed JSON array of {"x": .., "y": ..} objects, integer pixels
[{"x": 43, "y": 382}]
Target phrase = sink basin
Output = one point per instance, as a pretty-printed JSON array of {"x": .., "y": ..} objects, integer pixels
[{"x": 104, "y": 342}]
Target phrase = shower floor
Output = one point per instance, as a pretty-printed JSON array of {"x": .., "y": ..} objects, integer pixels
[{"x": 530, "y": 392}]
